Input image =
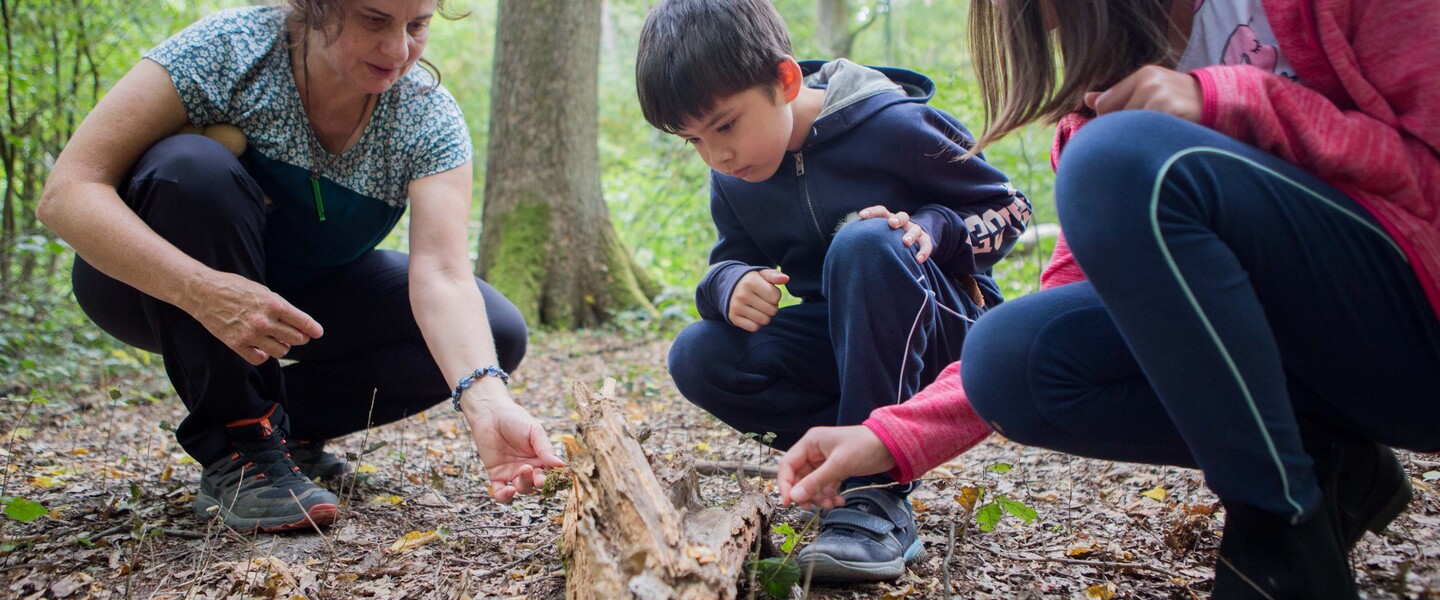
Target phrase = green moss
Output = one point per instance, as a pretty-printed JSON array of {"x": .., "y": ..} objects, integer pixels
[
  {"x": 627, "y": 285},
  {"x": 516, "y": 263}
]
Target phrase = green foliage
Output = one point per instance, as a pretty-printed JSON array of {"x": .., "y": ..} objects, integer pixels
[
  {"x": 791, "y": 537},
  {"x": 989, "y": 514},
  {"x": 22, "y": 510},
  {"x": 777, "y": 575},
  {"x": 60, "y": 57}
]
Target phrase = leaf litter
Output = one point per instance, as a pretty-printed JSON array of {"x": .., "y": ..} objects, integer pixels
[{"x": 116, "y": 492}]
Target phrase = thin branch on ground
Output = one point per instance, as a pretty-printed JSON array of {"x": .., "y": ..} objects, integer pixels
[
  {"x": 542, "y": 546},
  {"x": 727, "y": 467}
]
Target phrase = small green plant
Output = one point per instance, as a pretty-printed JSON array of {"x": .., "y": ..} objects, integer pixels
[
  {"x": 989, "y": 514},
  {"x": 776, "y": 575}
]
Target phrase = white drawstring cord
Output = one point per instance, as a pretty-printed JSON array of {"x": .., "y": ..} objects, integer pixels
[{"x": 905, "y": 352}]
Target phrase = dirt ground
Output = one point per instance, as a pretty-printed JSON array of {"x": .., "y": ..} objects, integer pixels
[{"x": 421, "y": 525}]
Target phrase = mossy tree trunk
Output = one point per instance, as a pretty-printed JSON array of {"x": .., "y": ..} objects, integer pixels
[{"x": 547, "y": 241}]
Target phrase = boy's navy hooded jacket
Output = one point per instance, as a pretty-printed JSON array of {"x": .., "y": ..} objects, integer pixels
[{"x": 875, "y": 142}]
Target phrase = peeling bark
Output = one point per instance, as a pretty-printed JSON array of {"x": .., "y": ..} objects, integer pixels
[{"x": 629, "y": 532}]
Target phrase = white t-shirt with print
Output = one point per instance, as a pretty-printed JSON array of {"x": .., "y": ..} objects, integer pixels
[{"x": 1233, "y": 32}]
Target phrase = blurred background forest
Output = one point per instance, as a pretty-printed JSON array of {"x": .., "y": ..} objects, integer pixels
[{"x": 62, "y": 55}]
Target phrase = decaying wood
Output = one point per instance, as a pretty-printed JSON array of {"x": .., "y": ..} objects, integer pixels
[{"x": 629, "y": 532}]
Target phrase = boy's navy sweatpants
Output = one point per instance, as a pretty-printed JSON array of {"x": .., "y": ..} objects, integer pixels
[
  {"x": 879, "y": 336},
  {"x": 1235, "y": 302},
  {"x": 196, "y": 195}
]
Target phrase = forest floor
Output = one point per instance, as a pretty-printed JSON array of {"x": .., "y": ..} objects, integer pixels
[{"x": 420, "y": 523}]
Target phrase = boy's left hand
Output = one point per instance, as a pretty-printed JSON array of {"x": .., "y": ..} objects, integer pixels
[{"x": 901, "y": 220}]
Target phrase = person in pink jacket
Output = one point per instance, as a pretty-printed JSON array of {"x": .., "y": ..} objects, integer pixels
[{"x": 1257, "y": 209}]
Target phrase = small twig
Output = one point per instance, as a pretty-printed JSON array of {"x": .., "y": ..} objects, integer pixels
[
  {"x": 183, "y": 534},
  {"x": 711, "y": 467},
  {"x": 945, "y": 566},
  {"x": 36, "y": 566},
  {"x": 109, "y": 532},
  {"x": 1222, "y": 560},
  {"x": 547, "y": 544}
]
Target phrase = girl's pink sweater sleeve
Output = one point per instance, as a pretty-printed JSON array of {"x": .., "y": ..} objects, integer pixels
[{"x": 932, "y": 427}]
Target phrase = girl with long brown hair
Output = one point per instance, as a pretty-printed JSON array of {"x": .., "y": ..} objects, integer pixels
[{"x": 1252, "y": 188}]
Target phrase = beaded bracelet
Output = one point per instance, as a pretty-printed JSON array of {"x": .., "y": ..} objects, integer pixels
[{"x": 465, "y": 382}]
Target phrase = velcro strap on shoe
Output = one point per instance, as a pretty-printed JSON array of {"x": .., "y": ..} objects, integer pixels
[{"x": 850, "y": 518}]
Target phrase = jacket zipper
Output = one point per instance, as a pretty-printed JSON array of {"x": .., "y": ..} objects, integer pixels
[{"x": 805, "y": 193}]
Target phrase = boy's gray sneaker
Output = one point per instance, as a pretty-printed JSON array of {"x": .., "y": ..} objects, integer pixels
[
  {"x": 315, "y": 463},
  {"x": 258, "y": 487},
  {"x": 871, "y": 538}
]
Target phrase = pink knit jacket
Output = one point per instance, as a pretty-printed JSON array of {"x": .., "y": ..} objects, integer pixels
[{"x": 1366, "y": 120}]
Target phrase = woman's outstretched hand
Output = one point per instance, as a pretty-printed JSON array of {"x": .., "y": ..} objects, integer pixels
[
  {"x": 1152, "y": 88},
  {"x": 812, "y": 471},
  {"x": 513, "y": 446}
]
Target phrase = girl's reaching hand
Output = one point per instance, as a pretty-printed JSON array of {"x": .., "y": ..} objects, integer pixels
[
  {"x": 1152, "y": 88},
  {"x": 812, "y": 471}
]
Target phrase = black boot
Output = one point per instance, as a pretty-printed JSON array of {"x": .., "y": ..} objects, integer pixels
[
  {"x": 1262, "y": 555},
  {"x": 1364, "y": 484}
]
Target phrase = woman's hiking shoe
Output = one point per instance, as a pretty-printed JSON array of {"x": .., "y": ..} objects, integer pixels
[
  {"x": 259, "y": 488},
  {"x": 1262, "y": 555},
  {"x": 871, "y": 538},
  {"x": 315, "y": 463}
]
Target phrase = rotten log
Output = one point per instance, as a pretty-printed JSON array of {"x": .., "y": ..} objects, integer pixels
[{"x": 632, "y": 532}]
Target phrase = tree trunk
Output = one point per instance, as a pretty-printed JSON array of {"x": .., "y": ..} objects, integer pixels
[
  {"x": 547, "y": 242},
  {"x": 832, "y": 28},
  {"x": 631, "y": 533}
]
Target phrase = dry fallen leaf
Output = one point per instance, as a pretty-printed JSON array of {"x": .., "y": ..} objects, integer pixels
[
  {"x": 899, "y": 594},
  {"x": 1157, "y": 494},
  {"x": 1101, "y": 591},
  {"x": 969, "y": 495},
  {"x": 414, "y": 539}
]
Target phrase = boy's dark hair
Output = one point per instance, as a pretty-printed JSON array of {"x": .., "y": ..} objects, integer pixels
[{"x": 695, "y": 52}]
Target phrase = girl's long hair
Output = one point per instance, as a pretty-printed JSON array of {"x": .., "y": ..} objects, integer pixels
[{"x": 1099, "y": 41}]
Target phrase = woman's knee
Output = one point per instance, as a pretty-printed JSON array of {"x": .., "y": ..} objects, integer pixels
[{"x": 200, "y": 175}]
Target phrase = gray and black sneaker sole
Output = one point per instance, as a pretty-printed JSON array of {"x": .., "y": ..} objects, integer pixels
[
  {"x": 826, "y": 569},
  {"x": 320, "y": 515}
]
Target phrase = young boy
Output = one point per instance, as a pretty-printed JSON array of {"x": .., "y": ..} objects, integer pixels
[{"x": 845, "y": 178}]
